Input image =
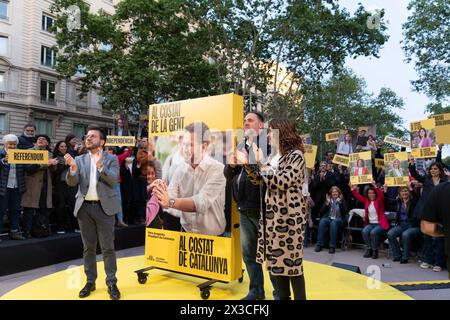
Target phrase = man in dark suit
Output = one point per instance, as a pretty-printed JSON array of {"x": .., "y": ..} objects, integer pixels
[{"x": 97, "y": 203}]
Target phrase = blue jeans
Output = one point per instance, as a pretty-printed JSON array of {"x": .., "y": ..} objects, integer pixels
[
  {"x": 10, "y": 202},
  {"x": 372, "y": 234},
  {"x": 249, "y": 243},
  {"x": 334, "y": 225},
  {"x": 433, "y": 250},
  {"x": 119, "y": 214},
  {"x": 394, "y": 244}
]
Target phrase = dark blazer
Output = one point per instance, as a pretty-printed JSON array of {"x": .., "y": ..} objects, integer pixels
[
  {"x": 4, "y": 174},
  {"x": 342, "y": 207}
]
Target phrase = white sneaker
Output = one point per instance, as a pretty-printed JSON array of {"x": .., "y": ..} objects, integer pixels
[
  {"x": 77, "y": 231},
  {"x": 61, "y": 232},
  {"x": 425, "y": 265},
  {"x": 437, "y": 269}
]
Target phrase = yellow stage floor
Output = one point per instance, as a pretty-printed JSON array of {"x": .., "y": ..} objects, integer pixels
[{"x": 322, "y": 283}]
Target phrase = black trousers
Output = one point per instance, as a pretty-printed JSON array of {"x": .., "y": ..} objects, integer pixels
[{"x": 282, "y": 286}]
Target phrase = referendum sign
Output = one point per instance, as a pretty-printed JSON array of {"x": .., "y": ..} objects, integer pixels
[
  {"x": 397, "y": 142},
  {"x": 19, "y": 156},
  {"x": 118, "y": 141}
]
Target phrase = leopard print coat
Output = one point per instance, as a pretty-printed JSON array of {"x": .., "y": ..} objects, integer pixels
[{"x": 282, "y": 230}]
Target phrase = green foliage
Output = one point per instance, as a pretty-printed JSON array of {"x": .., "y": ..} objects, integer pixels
[{"x": 427, "y": 38}]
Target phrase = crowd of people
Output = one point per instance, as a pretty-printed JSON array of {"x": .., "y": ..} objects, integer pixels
[
  {"x": 282, "y": 204},
  {"x": 42, "y": 194}
]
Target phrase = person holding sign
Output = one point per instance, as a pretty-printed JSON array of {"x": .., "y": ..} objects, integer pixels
[
  {"x": 97, "y": 203},
  {"x": 38, "y": 197},
  {"x": 433, "y": 248},
  {"x": 282, "y": 228},
  {"x": 197, "y": 189},
  {"x": 375, "y": 221},
  {"x": 12, "y": 186}
]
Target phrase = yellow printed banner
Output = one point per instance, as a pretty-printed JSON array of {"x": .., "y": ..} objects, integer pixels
[
  {"x": 205, "y": 256},
  {"x": 379, "y": 163},
  {"x": 396, "y": 169},
  {"x": 442, "y": 122},
  {"x": 19, "y": 156},
  {"x": 120, "y": 141},
  {"x": 332, "y": 136},
  {"x": 361, "y": 167},
  {"x": 419, "y": 153},
  {"x": 423, "y": 138},
  {"x": 171, "y": 118},
  {"x": 341, "y": 160},
  {"x": 310, "y": 155},
  {"x": 397, "y": 142}
]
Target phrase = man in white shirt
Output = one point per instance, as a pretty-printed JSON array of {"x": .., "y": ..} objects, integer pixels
[
  {"x": 96, "y": 205},
  {"x": 197, "y": 189}
]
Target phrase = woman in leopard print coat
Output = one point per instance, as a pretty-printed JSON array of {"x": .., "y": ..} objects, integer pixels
[{"x": 282, "y": 228}]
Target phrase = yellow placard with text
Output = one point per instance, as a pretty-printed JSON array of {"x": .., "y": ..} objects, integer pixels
[
  {"x": 442, "y": 122},
  {"x": 341, "y": 160},
  {"x": 199, "y": 254},
  {"x": 423, "y": 139},
  {"x": 361, "y": 168},
  {"x": 397, "y": 142},
  {"x": 20, "y": 156},
  {"x": 120, "y": 141},
  {"x": 310, "y": 155},
  {"x": 396, "y": 169},
  {"x": 379, "y": 163},
  {"x": 332, "y": 136}
]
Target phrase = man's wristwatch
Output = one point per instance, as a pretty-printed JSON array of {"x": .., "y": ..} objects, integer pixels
[{"x": 171, "y": 203}]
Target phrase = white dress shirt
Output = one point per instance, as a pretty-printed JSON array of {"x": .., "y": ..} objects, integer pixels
[
  {"x": 92, "y": 194},
  {"x": 373, "y": 217},
  {"x": 206, "y": 186}
]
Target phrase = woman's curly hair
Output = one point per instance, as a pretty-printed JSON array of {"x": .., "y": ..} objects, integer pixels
[{"x": 288, "y": 135}]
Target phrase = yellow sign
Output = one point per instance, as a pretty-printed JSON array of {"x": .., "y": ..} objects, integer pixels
[
  {"x": 397, "y": 142},
  {"x": 361, "y": 167},
  {"x": 423, "y": 139},
  {"x": 310, "y": 155},
  {"x": 205, "y": 256},
  {"x": 20, "y": 156},
  {"x": 171, "y": 118},
  {"x": 341, "y": 160},
  {"x": 442, "y": 122},
  {"x": 379, "y": 163},
  {"x": 212, "y": 257},
  {"x": 332, "y": 136},
  {"x": 120, "y": 141},
  {"x": 396, "y": 169}
]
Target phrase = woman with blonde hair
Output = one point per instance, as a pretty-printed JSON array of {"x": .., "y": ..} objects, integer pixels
[{"x": 333, "y": 218}]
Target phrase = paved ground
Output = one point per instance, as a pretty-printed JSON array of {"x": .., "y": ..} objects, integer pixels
[{"x": 396, "y": 273}]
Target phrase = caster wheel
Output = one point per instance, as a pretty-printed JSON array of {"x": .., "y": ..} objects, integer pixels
[
  {"x": 205, "y": 294},
  {"x": 142, "y": 278}
]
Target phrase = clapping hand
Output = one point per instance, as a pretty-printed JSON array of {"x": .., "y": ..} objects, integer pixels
[
  {"x": 258, "y": 153},
  {"x": 242, "y": 157},
  {"x": 70, "y": 161},
  {"x": 98, "y": 157}
]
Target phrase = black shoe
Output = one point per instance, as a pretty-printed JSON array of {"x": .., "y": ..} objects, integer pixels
[
  {"x": 86, "y": 291},
  {"x": 396, "y": 259},
  {"x": 114, "y": 292},
  {"x": 375, "y": 254},
  {"x": 403, "y": 261},
  {"x": 318, "y": 248},
  {"x": 367, "y": 253},
  {"x": 331, "y": 250}
]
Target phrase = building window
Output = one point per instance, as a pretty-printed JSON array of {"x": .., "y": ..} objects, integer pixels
[
  {"x": 4, "y": 9},
  {"x": 48, "y": 91},
  {"x": 3, "y": 45},
  {"x": 2, "y": 123},
  {"x": 48, "y": 56},
  {"x": 44, "y": 126},
  {"x": 47, "y": 23},
  {"x": 2, "y": 82},
  {"x": 79, "y": 130}
]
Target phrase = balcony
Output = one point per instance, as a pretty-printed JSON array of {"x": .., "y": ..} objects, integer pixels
[{"x": 49, "y": 102}]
